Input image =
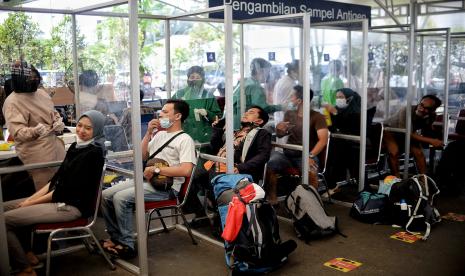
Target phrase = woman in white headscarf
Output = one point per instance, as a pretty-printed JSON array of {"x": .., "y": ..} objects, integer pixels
[{"x": 33, "y": 122}]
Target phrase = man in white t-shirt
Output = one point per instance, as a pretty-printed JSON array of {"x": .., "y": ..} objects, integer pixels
[{"x": 119, "y": 201}]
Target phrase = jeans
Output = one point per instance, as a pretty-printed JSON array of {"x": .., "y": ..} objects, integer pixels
[{"x": 118, "y": 203}]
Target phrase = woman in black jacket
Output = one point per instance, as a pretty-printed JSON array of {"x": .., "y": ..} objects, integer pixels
[
  {"x": 344, "y": 154},
  {"x": 69, "y": 195}
]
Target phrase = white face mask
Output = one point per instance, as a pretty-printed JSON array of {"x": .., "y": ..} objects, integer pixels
[
  {"x": 341, "y": 103},
  {"x": 165, "y": 123},
  {"x": 291, "y": 106}
]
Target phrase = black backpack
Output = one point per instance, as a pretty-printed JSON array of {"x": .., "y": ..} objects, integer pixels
[
  {"x": 257, "y": 247},
  {"x": 412, "y": 204},
  {"x": 308, "y": 214}
]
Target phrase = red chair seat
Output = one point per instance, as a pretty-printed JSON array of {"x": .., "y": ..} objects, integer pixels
[
  {"x": 149, "y": 205},
  {"x": 292, "y": 171},
  {"x": 456, "y": 136},
  {"x": 67, "y": 224}
]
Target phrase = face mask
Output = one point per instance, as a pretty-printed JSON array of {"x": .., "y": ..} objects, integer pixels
[
  {"x": 341, "y": 103},
  {"x": 291, "y": 106},
  {"x": 248, "y": 124},
  {"x": 195, "y": 83},
  {"x": 165, "y": 123}
]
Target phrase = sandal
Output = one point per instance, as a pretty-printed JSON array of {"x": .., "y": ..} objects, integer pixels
[
  {"x": 107, "y": 243},
  {"x": 121, "y": 251}
]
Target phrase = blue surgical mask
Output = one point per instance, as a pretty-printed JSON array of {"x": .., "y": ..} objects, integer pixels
[
  {"x": 165, "y": 123},
  {"x": 341, "y": 103},
  {"x": 291, "y": 106}
]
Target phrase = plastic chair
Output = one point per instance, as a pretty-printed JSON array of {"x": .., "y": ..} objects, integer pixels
[
  {"x": 174, "y": 204},
  {"x": 76, "y": 229}
]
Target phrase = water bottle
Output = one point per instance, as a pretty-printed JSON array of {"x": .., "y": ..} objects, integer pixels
[
  {"x": 403, "y": 205},
  {"x": 327, "y": 116}
]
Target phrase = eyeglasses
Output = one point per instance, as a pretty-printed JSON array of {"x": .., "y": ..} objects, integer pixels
[{"x": 429, "y": 108}]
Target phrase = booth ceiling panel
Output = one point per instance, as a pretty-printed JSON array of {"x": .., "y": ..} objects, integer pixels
[{"x": 53, "y": 4}]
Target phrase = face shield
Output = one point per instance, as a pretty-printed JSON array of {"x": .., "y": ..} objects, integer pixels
[
  {"x": 260, "y": 69},
  {"x": 24, "y": 78},
  {"x": 195, "y": 77}
]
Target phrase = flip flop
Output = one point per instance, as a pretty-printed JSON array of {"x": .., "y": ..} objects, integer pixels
[{"x": 121, "y": 251}]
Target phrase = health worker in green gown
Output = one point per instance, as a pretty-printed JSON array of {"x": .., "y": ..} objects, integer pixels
[
  {"x": 332, "y": 82},
  {"x": 203, "y": 105},
  {"x": 254, "y": 92}
]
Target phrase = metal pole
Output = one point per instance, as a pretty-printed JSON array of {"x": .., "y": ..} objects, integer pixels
[
  {"x": 446, "y": 89},
  {"x": 136, "y": 137},
  {"x": 228, "y": 45},
  {"x": 421, "y": 71},
  {"x": 387, "y": 84},
  {"x": 349, "y": 58},
  {"x": 363, "y": 114},
  {"x": 242, "y": 71},
  {"x": 301, "y": 54},
  {"x": 4, "y": 259},
  {"x": 77, "y": 92},
  {"x": 168, "y": 57},
  {"x": 411, "y": 84},
  {"x": 306, "y": 103}
]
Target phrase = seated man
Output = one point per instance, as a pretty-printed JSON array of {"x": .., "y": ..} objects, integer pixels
[
  {"x": 249, "y": 161},
  {"x": 119, "y": 201},
  {"x": 291, "y": 126},
  {"x": 423, "y": 116}
]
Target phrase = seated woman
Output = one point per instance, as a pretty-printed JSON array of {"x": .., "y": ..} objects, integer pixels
[
  {"x": 345, "y": 117},
  {"x": 74, "y": 184}
]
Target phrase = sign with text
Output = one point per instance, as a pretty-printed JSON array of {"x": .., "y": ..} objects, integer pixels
[
  {"x": 342, "y": 264},
  {"x": 326, "y": 57},
  {"x": 211, "y": 57},
  {"x": 271, "y": 56},
  {"x": 320, "y": 11},
  {"x": 406, "y": 237}
]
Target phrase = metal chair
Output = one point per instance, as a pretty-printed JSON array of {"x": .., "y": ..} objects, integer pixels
[
  {"x": 174, "y": 204},
  {"x": 321, "y": 173},
  {"x": 76, "y": 229},
  {"x": 373, "y": 156}
]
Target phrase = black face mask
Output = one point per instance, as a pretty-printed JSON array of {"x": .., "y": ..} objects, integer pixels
[
  {"x": 248, "y": 124},
  {"x": 23, "y": 84}
]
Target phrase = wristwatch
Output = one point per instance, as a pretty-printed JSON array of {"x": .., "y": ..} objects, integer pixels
[
  {"x": 311, "y": 156},
  {"x": 156, "y": 171}
]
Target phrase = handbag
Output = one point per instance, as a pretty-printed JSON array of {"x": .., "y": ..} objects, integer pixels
[
  {"x": 161, "y": 182},
  {"x": 370, "y": 208}
]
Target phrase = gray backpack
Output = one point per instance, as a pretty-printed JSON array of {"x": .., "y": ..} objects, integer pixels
[{"x": 310, "y": 218}]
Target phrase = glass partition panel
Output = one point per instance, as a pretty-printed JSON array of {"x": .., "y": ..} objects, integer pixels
[
  {"x": 104, "y": 78},
  {"x": 41, "y": 40},
  {"x": 271, "y": 70},
  {"x": 457, "y": 84},
  {"x": 398, "y": 83},
  {"x": 377, "y": 68},
  {"x": 198, "y": 73},
  {"x": 328, "y": 63}
]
